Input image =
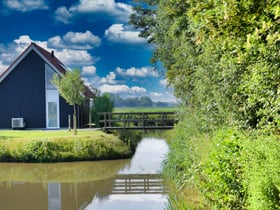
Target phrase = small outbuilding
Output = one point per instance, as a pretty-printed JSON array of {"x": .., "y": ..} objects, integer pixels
[{"x": 28, "y": 98}]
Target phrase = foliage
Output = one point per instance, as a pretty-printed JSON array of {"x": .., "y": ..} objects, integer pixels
[
  {"x": 221, "y": 175},
  {"x": 261, "y": 171},
  {"x": 221, "y": 57},
  {"x": 71, "y": 88},
  {"x": 101, "y": 104},
  {"x": 101, "y": 147}
]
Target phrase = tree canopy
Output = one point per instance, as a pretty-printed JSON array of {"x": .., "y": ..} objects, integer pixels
[
  {"x": 221, "y": 57},
  {"x": 71, "y": 88}
]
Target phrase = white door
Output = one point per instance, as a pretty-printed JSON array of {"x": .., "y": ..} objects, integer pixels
[{"x": 52, "y": 109}]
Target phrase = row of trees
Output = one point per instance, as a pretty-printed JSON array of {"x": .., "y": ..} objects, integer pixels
[
  {"x": 144, "y": 101},
  {"x": 222, "y": 57}
]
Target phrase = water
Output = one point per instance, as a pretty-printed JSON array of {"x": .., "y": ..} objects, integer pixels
[{"x": 103, "y": 185}]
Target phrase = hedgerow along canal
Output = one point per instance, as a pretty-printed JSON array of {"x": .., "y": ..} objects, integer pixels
[{"x": 102, "y": 185}]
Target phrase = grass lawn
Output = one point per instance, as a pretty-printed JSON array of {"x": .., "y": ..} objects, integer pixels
[
  {"x": 145, "y": 109},
  {"x": 50, "y": 134}
]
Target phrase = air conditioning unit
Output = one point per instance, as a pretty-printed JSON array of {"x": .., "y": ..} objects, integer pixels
[{"x": 18, "y": 123}]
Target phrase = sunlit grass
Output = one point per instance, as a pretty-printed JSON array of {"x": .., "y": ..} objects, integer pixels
[{"x": 32, "y": 134}]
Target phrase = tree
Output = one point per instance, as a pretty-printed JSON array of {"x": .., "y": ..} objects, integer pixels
[
  {"x": 145, "y": 101},
  {"x": 102, "y": 103},
  {"x": 71, "y": 88},
  {"x": 221, "y": 57}
]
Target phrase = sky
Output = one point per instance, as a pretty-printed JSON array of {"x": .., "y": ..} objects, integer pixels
[{"x": 91, "y": 35}]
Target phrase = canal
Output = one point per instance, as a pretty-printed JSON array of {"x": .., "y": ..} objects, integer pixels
[{"x": 102, "y": 185}]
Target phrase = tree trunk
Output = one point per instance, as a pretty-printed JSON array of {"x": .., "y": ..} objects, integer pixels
[{"x": 75, "y": 120}]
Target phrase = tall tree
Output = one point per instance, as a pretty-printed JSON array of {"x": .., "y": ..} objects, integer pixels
[
  {"x": 221, "y": 57},
  {"x": 102, "y": 103},
  {"x": 71, "y": 88}
]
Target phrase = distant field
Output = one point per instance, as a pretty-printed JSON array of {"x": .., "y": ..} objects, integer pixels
[{"x": 145, "y": 109}]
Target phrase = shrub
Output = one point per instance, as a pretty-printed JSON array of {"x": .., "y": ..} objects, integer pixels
[
  {"x": 261, "y": 171},
  {"x": 221, "y": 178},
  {"x": 64, "y": 149}
]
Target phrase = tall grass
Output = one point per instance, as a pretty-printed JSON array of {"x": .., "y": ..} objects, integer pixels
[{"x": 223, "y": 168}]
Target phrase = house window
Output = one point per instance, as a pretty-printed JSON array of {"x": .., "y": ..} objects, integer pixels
[
  {"x": 49, "y": 76},
  {"x": 52, "y": 114}
]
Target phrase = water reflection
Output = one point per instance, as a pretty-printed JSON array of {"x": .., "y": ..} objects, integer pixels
[{"x": 120, "y": 184}]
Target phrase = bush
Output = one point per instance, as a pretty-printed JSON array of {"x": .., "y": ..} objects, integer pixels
[
  {"x": 232, "y": 169},
  {"x": 221, "y": 176},
  {"x": 261, "y": 171},
  {"x": 64, "y": 149}
]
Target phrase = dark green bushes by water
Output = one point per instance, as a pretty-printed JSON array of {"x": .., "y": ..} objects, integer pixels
[
  {"x": 224, "y": 169},
  {"x": 64, "y": 149}
]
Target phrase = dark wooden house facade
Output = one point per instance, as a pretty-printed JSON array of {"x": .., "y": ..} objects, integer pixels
[{"x": 26, "y": 92}]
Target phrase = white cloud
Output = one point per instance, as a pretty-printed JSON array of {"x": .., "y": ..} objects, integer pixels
[
  {"x": 75, "y": 40},
  {"x": 155, "y": 94},
  {"x": 109, "y": 79},
  {"x": 89, "y": 70},
  {"x": 118, "y": 34},
  {"x": 70, "y": 57},
  {"x": 75, "y": 57},
  {"x": 121, "y": 89},
  {"x": 25, "y": 5},
  {"x": 137, "y": 72},
  {"x": 89, "y": 8},
  {"x": 2, "y": 67},
  {"x": 163, "y": 82},
  {"x": 62, "y": 15},
  {"x": 163, "y": 97}
]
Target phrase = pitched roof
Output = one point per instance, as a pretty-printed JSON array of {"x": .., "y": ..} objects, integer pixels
[{"x": 48, "y": 57}]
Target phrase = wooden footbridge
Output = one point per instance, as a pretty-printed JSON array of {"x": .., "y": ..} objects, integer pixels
[
  {"x": 137, "y": 120},
  {"x": 139, "y": 184}
]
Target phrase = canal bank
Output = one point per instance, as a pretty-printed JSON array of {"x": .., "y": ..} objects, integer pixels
[{"x": 115, "y": 184}]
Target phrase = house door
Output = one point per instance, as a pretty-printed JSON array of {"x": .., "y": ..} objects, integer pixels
[{"x": 52, "y": 109}]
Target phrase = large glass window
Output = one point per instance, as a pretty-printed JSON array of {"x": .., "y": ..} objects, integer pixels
[
  {"x": 49, "y": 76},
  {"x": 52, "y": 114}
]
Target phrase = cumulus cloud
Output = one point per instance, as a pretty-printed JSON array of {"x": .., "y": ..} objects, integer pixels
[
  {"x": 137, "y": 72},
  {"x": 75, "y": 40},
  {"x": 70, "y": 57},
  {"x": 89, "y": 8},
  {"x": 25, "y": 5},
  {"x": 109, "y": 79},
  {"x": 120, "y": 89},
  {"x": 89, "y": 70},
  {"x": 163, "y": 97},
  {"x": 163, "y": 82},
  {"x": 118, "y": 34},
  {"x": 2, "y": 67}
]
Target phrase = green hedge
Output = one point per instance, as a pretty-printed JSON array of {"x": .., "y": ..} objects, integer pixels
[
  {"x": 64, "y": 149},
  {"x": 230, "y": 168}
]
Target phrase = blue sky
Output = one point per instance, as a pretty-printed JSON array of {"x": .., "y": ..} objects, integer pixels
[{"x": 92, "y": 35}]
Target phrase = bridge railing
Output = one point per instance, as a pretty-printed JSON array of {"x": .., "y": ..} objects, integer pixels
[
  {"x": 139, "y": 184},
  {"x": 137, "y": 120}
]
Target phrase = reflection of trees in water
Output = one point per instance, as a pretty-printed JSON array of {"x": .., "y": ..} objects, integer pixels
[
  {"x": 60, "y": 172},
  {"x": 34, "y": 196},
  {"x": 27, "y": 186}
]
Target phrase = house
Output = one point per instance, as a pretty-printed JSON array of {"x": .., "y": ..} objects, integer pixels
[{"x": 26, "y": 92}]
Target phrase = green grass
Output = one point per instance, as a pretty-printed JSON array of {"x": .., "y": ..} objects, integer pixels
[
  {"x": 145, "y": 109},
  {"x": 36, "y": 134},
  {"x": 60, "y": 146}
]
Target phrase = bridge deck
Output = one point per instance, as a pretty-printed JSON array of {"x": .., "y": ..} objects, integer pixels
[{"x": 137, "y": 120}]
